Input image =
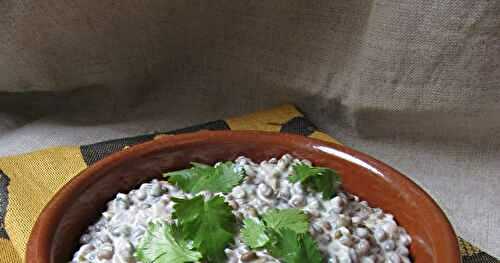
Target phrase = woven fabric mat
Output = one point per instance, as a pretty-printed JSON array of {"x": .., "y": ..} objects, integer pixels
[{"x": 28, "y": 181}]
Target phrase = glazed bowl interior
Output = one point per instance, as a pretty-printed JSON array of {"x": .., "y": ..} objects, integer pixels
[{"x": 79, "y": 204}]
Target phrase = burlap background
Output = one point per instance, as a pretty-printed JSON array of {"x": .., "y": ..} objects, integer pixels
[{"x": 412, "y": 82}]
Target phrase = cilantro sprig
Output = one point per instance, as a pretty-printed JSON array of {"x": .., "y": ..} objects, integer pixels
[
  {"x": 254, "y": 233},
  {"x": 284, "y": 234},
  {"x": 210, "y": 224},
  {"x": 201, "y": 177},
  {"x": 320, "y": 179},
  {"x": 162, "y": 243},
  {"x": 295, "y": 248},
  {"x": 292, "y": 218},
  {"x": 204, "y": 228}
]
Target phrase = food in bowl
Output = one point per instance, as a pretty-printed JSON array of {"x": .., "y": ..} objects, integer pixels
[{"x": 280, "y": 210}]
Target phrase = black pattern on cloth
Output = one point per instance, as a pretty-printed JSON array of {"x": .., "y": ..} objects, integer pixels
[
  {"x": 94, "y": 152},
  {"x": 298, "y": 125},
  {"x": 4, "y": 201},
  {"x": 480, "y": 257}
]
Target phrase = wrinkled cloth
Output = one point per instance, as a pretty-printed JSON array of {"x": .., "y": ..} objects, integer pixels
[{"x": 414, "y": 83}]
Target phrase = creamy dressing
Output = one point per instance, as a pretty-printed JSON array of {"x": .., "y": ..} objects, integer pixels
[{"x": 345, "y": 228}]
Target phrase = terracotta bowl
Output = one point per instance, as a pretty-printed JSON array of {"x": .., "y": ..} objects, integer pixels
[{"x": 77, "y": 205}]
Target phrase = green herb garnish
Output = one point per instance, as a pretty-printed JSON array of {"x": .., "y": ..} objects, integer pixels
[
  {"x": 202, "y": 177},
  {"x": 320, "y": 179},
  {"x": 210, "y": 224},
  {"x": 162, "y": 244},
  {"x": 284, "y": 234},
  {"x": 203, "y": 230},
  {"x": 205, "y": 227},
  {"x": 295, "y": 248},
  {"x": 292, "y": 218},
  {"x": 254, "y": 233}
]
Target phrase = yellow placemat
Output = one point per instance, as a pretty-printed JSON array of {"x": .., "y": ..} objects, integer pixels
[{"x": 28, "y": 181}]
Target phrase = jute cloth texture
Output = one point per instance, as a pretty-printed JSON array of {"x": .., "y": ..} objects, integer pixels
[{"x": 419, "y": 63}]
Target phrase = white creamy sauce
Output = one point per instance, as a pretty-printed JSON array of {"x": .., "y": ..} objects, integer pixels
[{"x": 345, "y": 228}]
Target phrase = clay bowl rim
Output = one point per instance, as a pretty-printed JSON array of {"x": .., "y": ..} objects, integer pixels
[{"x": 40, "y": 239}]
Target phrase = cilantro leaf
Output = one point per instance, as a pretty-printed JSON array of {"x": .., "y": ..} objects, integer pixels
[
  {"x": 253, "y": 233},
  {"x": 202, "y": 177},
  {"x": 309, "y": 249},
  {"x": 160, "y": 244},
  {"x": 286, "y": 245},
  {"x": 210, "y": 224},
  {"x": 293, "y": 219},
  {"x": 284, "y": 234},
  {"x": 320, "y": 179},
  {"x": 295, "y": 248},
  {"x": 256, "y": 233}
]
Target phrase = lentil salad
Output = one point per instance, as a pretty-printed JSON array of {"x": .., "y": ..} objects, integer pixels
[{"x": 344, "y": 228}]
